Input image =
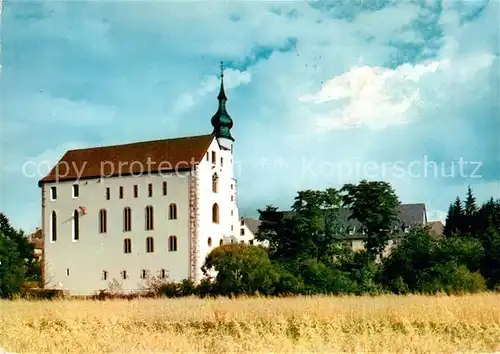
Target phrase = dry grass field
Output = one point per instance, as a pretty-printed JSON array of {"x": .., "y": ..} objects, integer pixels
[{"x": 303, "y": 324}]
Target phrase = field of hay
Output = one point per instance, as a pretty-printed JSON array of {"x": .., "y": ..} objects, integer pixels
[{"x": 303, "y": 324}]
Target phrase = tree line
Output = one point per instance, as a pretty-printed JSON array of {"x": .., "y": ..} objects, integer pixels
[{"x": 308, "y": 252}]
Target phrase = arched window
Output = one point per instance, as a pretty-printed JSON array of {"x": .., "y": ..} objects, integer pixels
[
  {"x": 215, "y": 213},
  {"x": 127, "y": 245},
  {"x": 172, "y": 211},
  {"x": 53, "y": 226},
  {"x": 103, "y": 220},
  {"x": 76, "y": 226},
  {"x": 127, "y": 219},
  {"x": 209, "y": 242},
  {"x": 150, "y": 246},
  {"x": 172, "y": 243},
  {"x": 149, "y": 217},
  {"x": 215, "y": 182}
]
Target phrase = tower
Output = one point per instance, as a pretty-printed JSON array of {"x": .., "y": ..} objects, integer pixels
[{"x": 221, "y": 121}]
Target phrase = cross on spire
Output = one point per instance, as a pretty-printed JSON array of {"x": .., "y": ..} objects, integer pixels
[{"x": 221, "y": 70}]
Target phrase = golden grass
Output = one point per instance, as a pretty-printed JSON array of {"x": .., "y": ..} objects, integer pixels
[{"x": 303, "y": 324}]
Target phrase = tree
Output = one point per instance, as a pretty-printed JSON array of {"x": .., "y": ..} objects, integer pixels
[
  {"x": 311, "y": 230},
  {"x": 491, "y": 261},
  {"x": 455, "y": 219},
  {"x": 469, "y": 213},
  {"x": 12, "y": 269},
  {"x": 374, "y": 204},
  {"x": 317, "y": 220},
  {"x": 241, "y": 269}
]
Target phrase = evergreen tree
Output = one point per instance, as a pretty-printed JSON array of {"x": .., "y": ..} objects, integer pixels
[
  {"x": 454, "y": 219},
  {"x": 469, "y": 213}
]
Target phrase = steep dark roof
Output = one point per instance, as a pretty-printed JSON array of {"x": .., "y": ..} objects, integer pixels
[
  {"x": 252, "y": 224},
  {"x": 134, "y": 158},
  {"x": 409, "y": 215}
]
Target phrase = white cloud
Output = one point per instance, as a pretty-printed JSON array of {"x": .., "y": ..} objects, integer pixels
[{"x": 376, "y": 97}]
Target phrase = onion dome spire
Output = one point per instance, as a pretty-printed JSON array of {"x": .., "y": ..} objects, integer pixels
[{"x": 221, "y": 121}]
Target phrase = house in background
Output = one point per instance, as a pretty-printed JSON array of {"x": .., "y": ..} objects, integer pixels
[
  {"x": 410, "y": 215},
  {"x": 133, "y": 211},
  {"x": 436, "y": 228},
  {"x": 36, "y": 239}
]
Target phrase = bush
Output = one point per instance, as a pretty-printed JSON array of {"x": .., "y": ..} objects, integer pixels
[{"x": 450, "y": 278}]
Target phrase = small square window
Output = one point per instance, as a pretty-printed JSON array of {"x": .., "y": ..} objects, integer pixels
[{"x": 251, "y": 242}]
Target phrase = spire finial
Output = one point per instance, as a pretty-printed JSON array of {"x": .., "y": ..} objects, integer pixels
[{"x": 221, "y": 69}]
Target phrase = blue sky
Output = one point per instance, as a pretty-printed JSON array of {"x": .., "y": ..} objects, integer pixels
[{"x": 321, "y": 93}]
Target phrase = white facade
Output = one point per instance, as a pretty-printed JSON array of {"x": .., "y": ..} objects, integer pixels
[{"x": 89, "y": 264}]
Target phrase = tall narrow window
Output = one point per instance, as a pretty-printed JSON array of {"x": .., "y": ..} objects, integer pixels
[
  {"x": 120, "y": 191},
  {"x": 127, "y": 245},
  {"x": 136, "y": 190},
  {"x": 103, "y": 221},
  {"x": 150, "y": 190},
  {"x": 221, "y": 242},
  {"x": 76, "y": 190},
  {"x": 221, "y": 162},
  {"x": 53, "y": 193},
  {"x": 209, "y": 242},
  {"x": 163, "y": 273},
  {"x": 145, "y": 274},
  {"x": 67, "y": 272},
  {"x": 215, "y": 213},
  {"x": 104, "y": 275},
  {"x": 149, "y": 217},
  {"x": 215, "y": 182},
  {"x": 127, "y": 219},
  {"x": 76, "y": 226},
  {"x": 164, "y": 187},
  {"x": 172, "y": 243},
  {"x": 53, "y": 227},
  {"x": 108, "y": 193},
  {"x": 206, "y": 155},
  {"x": 150, "y": 246},
  {"x": 172, "y": 211},
  {"x": 124, "y": 274},
  {"x": 214, "y": 157},
  {"x": 242, "y": 232}
]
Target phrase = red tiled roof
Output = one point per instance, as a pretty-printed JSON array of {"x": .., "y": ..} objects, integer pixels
[{"x": 134, "y": 158}]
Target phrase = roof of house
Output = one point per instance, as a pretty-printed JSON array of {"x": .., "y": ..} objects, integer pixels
[
  {"x": 252, "y": 224},
  {"x": 134, "y": 158},
  {"x": 36, "y": 238},
  {"x": 436, "y": 227},
  {"x": 409, "y": 215}
]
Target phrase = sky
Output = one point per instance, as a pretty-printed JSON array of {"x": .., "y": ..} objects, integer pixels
[{"x": 321, "y": 93}]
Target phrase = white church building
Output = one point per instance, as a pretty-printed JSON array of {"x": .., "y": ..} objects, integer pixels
[{"x": 129, "y": 212}]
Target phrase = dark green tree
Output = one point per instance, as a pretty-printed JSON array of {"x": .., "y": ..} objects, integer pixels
[
  {"x": 470, "y": 211},
  {"x": 12, "y": 268},
  {"x": 375, "y": 205},
  {"x": 455, "y": 219},
  {"x": 491, "y": 261}
]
